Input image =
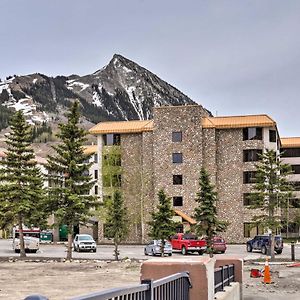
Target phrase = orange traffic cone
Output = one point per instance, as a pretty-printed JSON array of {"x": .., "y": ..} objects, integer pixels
[{"x": 267, "y": 274}]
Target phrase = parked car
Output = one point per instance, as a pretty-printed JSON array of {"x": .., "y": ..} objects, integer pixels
[
  {"x": 219, "y": 244},
  {"x": 84, "y": 242},
  {"x": 187, "y": 242},
  {"x": 261, "y": 242},
  {"x": 31, "y": 239},
  {"x": 153, "y": 248}
]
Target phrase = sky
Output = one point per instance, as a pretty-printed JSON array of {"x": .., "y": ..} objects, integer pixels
[{"x": 234, "y": 57}]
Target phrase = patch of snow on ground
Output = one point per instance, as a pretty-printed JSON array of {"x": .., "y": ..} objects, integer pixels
[
  {"x": 82, "y": 85},
  {"x": 34, "y": 80},
  {"x": 137, "y": 105},
  {"x": 3, "y": 86},
  {"x": 22, "y": 104},
  {"x": 97, "y": 100},
  {"x": 127, "y": 70}
]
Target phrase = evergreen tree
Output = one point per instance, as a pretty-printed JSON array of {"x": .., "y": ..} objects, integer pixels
[
  {"x": 206, "y": 212},
  {"x": 70, "y": 184},
  {"x": 162, "y": 225},
  {"x": 116, "y": 223},
  {"x": 21, "y": 189},
  {"x": 271, "y": 193}
]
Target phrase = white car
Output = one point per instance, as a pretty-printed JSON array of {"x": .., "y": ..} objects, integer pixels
[
  {"x": 84, "y": 242},
  {"x": 153, "y": 248},
  {"x": 31, "y": 244}
]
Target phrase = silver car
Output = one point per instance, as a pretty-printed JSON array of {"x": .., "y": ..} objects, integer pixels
[
  {"x": 84, "y": 242},
  {"x": 153, "y": 248}
]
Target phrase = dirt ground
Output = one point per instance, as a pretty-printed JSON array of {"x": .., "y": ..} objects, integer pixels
[
  {"x": 64, "y": 280},
  {"x": 286, "y": 283}
]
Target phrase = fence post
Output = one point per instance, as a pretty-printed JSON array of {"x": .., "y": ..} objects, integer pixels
[
  {"x": 222, "y": 275},
  {"x": 149, "y": 292},
  {"x": 293, "y": 251}
]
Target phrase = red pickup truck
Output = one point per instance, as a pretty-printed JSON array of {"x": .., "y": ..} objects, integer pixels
[{"x": 187, "y": 242}]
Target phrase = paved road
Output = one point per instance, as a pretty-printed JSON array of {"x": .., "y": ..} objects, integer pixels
[{"x": 130, "y": 251}]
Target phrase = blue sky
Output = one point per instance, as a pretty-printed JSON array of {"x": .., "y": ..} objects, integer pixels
[{"x": 233, "y": 57}]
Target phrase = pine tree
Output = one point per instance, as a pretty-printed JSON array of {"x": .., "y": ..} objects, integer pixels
[
  {"x": 117, "y": 221},
  {"x": 271, "y": 193},
  {"x": 69, "y": 194},
  {"x": 206, "y": 212},
  {"x": 21, "y": 189},
  {"x": 162, "y": 225}
]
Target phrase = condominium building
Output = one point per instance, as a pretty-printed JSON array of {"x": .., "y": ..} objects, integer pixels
[{"x": 168, "y": 152}]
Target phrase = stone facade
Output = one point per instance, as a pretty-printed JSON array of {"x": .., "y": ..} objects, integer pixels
[{"x": 148, "y": 166}]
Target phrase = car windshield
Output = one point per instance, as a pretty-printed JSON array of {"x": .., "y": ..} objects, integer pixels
[
  {"x": 85, "y": 238},
  {"x": 189, "y": 237}
]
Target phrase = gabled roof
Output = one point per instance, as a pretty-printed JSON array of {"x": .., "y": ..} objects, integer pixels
[
  {"x": 185, "y": 217},
  {"x": 122, "y": 127},
  {"x": 90, "y": 149},
  {"x": 290, "y": 142},
  {"x": 238, "y": 121}
]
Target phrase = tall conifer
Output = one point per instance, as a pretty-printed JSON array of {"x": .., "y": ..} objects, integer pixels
[
  {"x": 206, "y": 212},
  {"x": 162, "y": 225},
  {"x": 68, "y": 174},
  {"x": 22, "y": 196},
  {"x": 117, "y": 221}
]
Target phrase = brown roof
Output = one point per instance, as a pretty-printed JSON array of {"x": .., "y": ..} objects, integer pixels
[
  {"x": 91, "y": 149},
  {"x": 122, "y": 127},
  {"x": 185, "y": 217},
  {"x": 238, "y": 121},
  {"x": 290, "y": 142}
]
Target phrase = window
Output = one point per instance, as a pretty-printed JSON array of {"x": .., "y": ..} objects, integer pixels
[
  {"x": 247, "y": 229},
  {"x": 177, "y": 201},
  {"x": 111, "y": 139},
  {"x": 177, "y": 179},
  {"x": 252, "y": 155},
  {"x": 252, "y": 133},
  {"x": 95, "y": 158},
  {"x": 248, "y": 199},
  {"x": 290, "y": 152},
  {"x": 294, "y": 203},
  {"x": 177, "y": 158},
  {"x": 176, "y": 136},
  {"x": 96, "y": 189},
  {"x": 296, "y": 185},
  {"x": 250, "y": 177},
  {"x": 96, "y": 174},
  {"x": 296, "y": 169},
  {"x": 272, "y": 136}
]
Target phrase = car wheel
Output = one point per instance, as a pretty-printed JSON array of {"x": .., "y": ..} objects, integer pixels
[
  {"x": 152, "y": 252},
  {"x": 200, "y": 252},
  {"x": 145, "y": 252},
  {"x": 279, "y": 251},
  {"x": 249, "y": 248},
  {"x": 264, "y": 250},
  {"x": 183, "y": 251},
  {"x": 170, "y": 254},
  {"x": 17, "y": 250},
  {"x": 95, "y": 250},
  {"x": 222, "y": 251},
  {"x": 78, "y": 250}
]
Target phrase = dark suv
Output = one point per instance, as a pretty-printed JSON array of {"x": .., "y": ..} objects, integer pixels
[{"x": 261, "y": 242}]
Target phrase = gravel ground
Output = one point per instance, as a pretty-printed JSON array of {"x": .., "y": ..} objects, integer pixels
[{"x": 64, "y": 280}]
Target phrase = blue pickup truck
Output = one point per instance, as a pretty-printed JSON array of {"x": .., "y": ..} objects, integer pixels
[{"x": 261, "y": 242}]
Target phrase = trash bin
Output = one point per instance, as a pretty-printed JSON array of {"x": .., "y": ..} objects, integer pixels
[{"x": 46, "y": 237}]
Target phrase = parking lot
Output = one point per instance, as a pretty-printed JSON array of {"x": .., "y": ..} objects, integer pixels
[{"x": 105, "y": 252}]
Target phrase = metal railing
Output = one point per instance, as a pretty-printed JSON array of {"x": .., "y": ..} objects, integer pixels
[
  {"x": 224, "y": 275},
  {"x": 173, "y": 287}
]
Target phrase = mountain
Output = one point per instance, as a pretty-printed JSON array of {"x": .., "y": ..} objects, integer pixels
[{"x": 122, "y": 90}]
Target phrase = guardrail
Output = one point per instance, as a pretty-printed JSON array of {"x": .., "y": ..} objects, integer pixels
[
  {"x": 224, "y": 275},
  {"x": 173, "y": 287}
]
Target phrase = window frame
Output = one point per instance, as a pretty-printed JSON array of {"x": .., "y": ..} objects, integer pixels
[
  {"x": 177, "y": 182},
  {"x": 178, "y": 198},
  {"x": 176, "y": 136},
  {"x": 178, "y": 155}
]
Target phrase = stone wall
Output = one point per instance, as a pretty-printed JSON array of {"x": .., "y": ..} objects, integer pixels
[{"x": 186, "y": 119}]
